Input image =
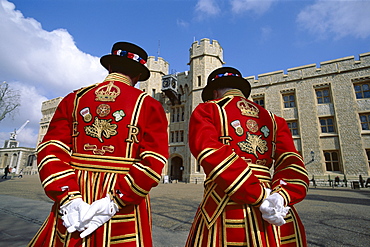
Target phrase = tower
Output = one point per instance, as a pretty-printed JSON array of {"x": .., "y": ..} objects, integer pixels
[
  {"x": 205, "y": 56},
  {"x": 153, "y": 85}
]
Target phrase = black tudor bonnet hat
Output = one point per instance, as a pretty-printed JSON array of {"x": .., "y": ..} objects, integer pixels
[
  {"x": 225, "y": 77},
  {"x": 127, "y": 55}
]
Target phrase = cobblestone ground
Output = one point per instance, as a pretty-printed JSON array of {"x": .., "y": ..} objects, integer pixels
[
  {"x": 173, "y": 207},
  {"x": 332, "y": 216}
]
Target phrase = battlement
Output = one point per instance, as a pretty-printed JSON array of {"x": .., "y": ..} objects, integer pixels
[
  {"x": 159, "y": 65},
  {"x": 310, "y": 71},
  {"x": 51, "y": 104},
  {"x": 206, "y": 47}
]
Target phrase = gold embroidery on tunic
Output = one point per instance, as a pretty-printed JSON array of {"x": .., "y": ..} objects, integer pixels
[
  {"x": 226, "y": 139},
  {"x": 103, "y": 110},
  {"x": 101, "y": 128},
  {"x": 261, "y": 162},
  {"x": 85, "y": 113},
  {"x": 89, "y": 147},
  {"x": 75, "y": 131},
  {"x": 107, "y": 92},
  {"x": 132, "y": 134},
  {"x": 96, "y": 150},
  {"x": 252, "y": 125},
  {"x": 247, "y": 109},
  {"x": 238, "y": 128},
  {"x": 252, "y": 144}
]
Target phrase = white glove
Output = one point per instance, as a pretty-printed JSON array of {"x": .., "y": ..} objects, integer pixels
[
  {"x": 273, "y": 210},
  {"x": 100, "y": 212},
  {"x": 275, "y": 219},
  {"x": 72, "y": 213}
]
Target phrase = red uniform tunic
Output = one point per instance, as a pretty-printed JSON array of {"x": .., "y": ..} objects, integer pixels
[
  {"x": 106, "y": 138},
  {"x": 243, "y": 149}
]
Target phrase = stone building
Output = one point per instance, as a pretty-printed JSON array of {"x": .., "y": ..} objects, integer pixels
[
  {"x": 23, "y": 158},
  {"x": 327, "y": 109},
  {"x": 20, "y": 160},
  {"x": 47, "y": 109},
  {"x": 179, "y": 94}
]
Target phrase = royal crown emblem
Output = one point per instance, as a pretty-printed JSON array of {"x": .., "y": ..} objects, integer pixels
[
  {"x": 247, "y": 109},
  {"x": 107, "y": 92}
]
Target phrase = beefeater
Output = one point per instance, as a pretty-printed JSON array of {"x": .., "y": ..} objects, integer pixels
[
  {"x": 254, "y": 174},
  {"x": 103, "y": 152}
]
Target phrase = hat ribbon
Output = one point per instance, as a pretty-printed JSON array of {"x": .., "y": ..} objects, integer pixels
[
  {"x": 130, "y": 55},
  {"x": 224, "y": 74}
]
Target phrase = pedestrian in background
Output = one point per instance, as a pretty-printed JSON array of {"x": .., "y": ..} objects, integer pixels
[
  {"x": 104, "y": 150},
  {"x": 20, "y": 175},
  {"x": 362, "y": 181},
  {"x": 254, "y": 174},
  {"x": 6, "y": 171}
]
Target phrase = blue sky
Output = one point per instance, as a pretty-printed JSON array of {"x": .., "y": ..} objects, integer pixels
[{"x": 51, "y": 47}]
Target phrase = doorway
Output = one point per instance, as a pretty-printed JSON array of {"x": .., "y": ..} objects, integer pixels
[{"x": 176, "y": 168}]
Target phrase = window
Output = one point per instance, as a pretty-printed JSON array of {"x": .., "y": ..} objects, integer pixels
[
  {"x": 182, "y": 113},
  {"x": 173, "y": 114},
  {"x": 259, "y": 101},
  {"x": 323, "y": 96},
  {"x": 199, "y": 81},
  {"x": 181, "y": 136},
  {"x": 178, "y": 114},
  {"x": 172, "y": 136},
  {"x": 289, "y": 100},
  {"x": 368, "y": 156},
  {"x": 198, "y": 167},
  {"x": 30, "y": 159},
  {"x": 362, "y": 90},
  {"x": 153, "y": 92},
  {"x": 327, "y": 125},
  {"x": 293, "y": 126},
  {"x": 331, "y": 160},
  {"x": 365, "y": 121}
]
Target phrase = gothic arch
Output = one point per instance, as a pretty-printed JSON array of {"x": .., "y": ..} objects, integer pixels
[{"x": 177, "y": 168}]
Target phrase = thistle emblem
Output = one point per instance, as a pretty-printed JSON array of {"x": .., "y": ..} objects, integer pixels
[
  {"x": 101, "y": 128},
  {"x": 252, "y": 144}
]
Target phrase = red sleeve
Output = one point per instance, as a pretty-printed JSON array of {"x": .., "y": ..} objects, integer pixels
[
  {"x": 153, "y": 151},
  {"x": 54, "y": 154},
  {"x": 290, "y": 176},
  {"x": 220, "y": 163}
]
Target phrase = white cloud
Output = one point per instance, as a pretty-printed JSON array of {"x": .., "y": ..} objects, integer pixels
[
  {"x": 182, "y": 23},
  {"x": 41, "y": 65},
  {"x": 265, "y": 33},
  {"x": 257, "y": 6},
  {"x": 208, "y": 7},
  {"x": 337, "y": 18}
]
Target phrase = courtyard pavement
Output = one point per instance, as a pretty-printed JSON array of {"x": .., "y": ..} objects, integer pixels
[{"x": 337, "y": 216}]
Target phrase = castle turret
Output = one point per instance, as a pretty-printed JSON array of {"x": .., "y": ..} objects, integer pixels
[
  {"x": 153, "y": 85},
  {"x": 204, "y": 58}
]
